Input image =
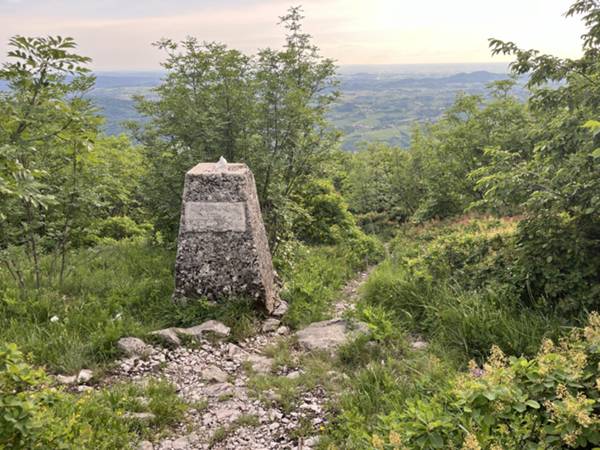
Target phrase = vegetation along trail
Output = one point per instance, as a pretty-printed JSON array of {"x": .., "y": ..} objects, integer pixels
[
  {"x": 475, "y": 327},
  {"x": 269, "y": 391}
]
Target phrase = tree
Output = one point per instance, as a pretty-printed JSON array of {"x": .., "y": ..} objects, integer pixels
[
  {"x": 295, "y": 88},
  {"x": 379, "y": 186},
  {"x": 555, "y": 183},
  {"x": 204, "y": 110},
  {"x": 266, "y": 110},
  {"x": 45, "y": 125},
  {"x": 431, "y": 179}
]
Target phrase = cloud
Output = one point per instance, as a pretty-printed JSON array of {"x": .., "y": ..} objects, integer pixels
[{"x": 118, "y": 34}]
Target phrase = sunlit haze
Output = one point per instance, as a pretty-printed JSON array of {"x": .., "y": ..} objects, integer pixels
[{"x": 118, "y": 34}]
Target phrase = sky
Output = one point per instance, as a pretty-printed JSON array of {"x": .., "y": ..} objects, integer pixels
[{"x": 117, "y": 34}]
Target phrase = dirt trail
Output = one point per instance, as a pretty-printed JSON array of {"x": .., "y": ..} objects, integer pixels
[{"x": 213, "y": 377}]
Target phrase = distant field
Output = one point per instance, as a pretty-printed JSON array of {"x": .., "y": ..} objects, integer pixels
[{"x": 378, "y": 103}]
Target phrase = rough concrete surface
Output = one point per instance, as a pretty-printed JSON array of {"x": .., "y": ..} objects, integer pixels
[{"x": 222, "y": 248}]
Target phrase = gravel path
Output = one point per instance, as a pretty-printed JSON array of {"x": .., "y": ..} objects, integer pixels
[{"x": 214, "y": 378}]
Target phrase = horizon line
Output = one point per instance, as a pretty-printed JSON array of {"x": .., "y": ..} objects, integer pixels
[{"x": 498, "y": 63}]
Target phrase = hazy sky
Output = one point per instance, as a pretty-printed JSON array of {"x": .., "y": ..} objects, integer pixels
[{"x": 117, "y": 33}]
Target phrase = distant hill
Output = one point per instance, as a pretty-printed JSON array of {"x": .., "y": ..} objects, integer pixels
[
  {"x": 384, "y": 106},
  {"x": 378, "y": 103},
  {"x": 108, "y": 80}
]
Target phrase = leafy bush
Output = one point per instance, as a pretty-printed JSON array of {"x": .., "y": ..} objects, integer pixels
[
  {"x": 557, "y": 260},
  {"x": 451, "y": 281},
  {"x": 470, "y": 252},
  {"x": 457, "y": 320},
  {"x": 313, "y": 275},
  {"x": 326, "y": 217},
  {"x": 117, "y": 228},
  {"x": 20, "y": 422},
  {"x": 377, "y": 387},
  {"x": 34, "y": 415},
  {"x": 550, "y": 401},
  {"x": 554, "y": 182}
]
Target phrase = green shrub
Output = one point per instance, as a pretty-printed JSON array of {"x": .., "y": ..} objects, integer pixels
[
  {"x": 116, "y": 228},
  {"x": 20, "y": 422},
  {"x": 549, "y": 401},
  {"x": 557, "y": 260},
  {"x": 326, "y": 217},
  {"x": 456, "y": 320},
  {"x": 471, "y": 252},
  {"x": 378, "y": 388},
  {"x": 313, "y": 275},
  {"x": 448, "y": 282},
  {"x": 34, "y": 415},
  {"x": 547, "y": 263}
]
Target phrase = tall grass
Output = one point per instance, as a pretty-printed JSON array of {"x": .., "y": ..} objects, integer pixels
[
  {"x": 464, "y": 322},
  {"x": 439, "y": 283},
  {"x": 124, "y": 288},
  {"x": 110, "y": 291},
  {"x": 317, "y": 274}
]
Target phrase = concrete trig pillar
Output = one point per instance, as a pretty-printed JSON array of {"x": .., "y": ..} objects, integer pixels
[{"x": 222, "y": 248}]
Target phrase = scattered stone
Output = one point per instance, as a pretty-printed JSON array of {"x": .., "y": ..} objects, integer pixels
[
  {"x": 222, "y": 248},
  {"x": 141, "y": 416},
  {"x": 259, "y": 363},
  {"x": 419, "y": 345},
  {"x": 236, "y": 353},
  {"x": 227, "y": 414},
  {"x": 84, "y": 376},
  {"x": 217, "y": 390},
  {"x": 132, "y": 346},
  {"x": 283, "y": 330},
  {"x": 210, "y": 326},
  {"x": 64, "y": 379},
  {"x": 311, "y": 441},
  {"x": 270, "y": 325},
  {"x": 201, "y": 377},
  {"x": 328, "y": 334},
  {"x": 280, "y": 309},
  {"x": 145, "y": 445},
  {"x": 180, "y": 443},
  {"x": 168, "y": 336},
  {"x": 213, "y": 373}
]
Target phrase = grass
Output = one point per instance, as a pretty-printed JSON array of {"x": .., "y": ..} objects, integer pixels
[
  {"x": 158, "y": 398},
  {"x": 439, "y": 283},
  {"x": 444, "y": 281},
  {"x": 316, "y": 276},
  {"x": 98, "y": 419},
  {"x": 124, "y": 288},
  {"x": 110, "y": 291},
  {"x": 284, "y": 392},
  {"x": 281, "y": 352},
  {"x": 465, "y": 323},
  {"x": 223, "y": 432}
]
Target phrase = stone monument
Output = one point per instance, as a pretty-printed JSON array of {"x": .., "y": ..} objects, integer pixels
[{"x": 222, "y": 248}]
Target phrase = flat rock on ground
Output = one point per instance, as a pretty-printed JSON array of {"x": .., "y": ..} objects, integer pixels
[
  {"x": 168, "y": 336},
  {"x": 329, "y": 334},
  {"x": 208, "y": 327},
  {"x": 133, "y": 346},
  {"x": 213, "y": 376}
]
